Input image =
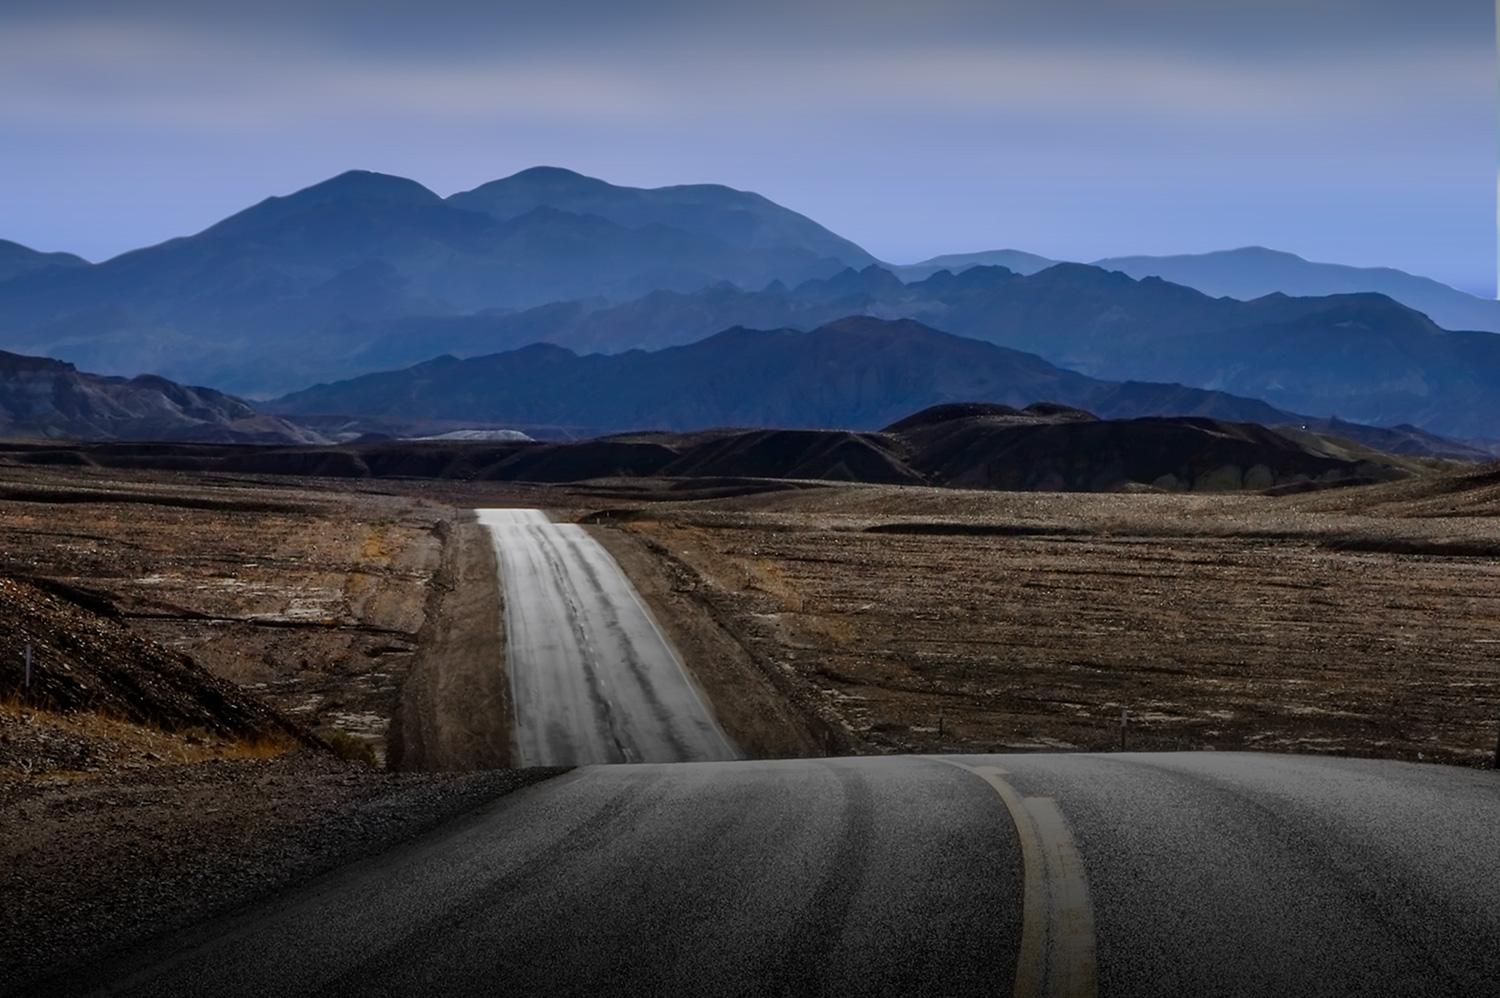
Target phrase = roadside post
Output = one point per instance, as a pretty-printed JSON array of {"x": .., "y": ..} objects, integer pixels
[{"x": 1124, "y": 718}]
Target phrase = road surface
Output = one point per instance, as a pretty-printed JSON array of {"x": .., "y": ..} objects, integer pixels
[
  {"x": 1190, "y": 874},
  {"x": 592, "y": 678}
]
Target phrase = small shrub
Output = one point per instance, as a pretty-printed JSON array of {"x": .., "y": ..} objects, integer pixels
[
  {"x": 349, "y": 748},
  {"x": 261, "y": 747}
]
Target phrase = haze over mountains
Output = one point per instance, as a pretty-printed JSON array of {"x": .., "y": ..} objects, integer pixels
[
  {"x": 367, "y": 272},
  {"x": 252, "y": 302},
  {"x": 1364, "y": 358},
  {"x": 1254, "y": 272},
  {"x": 16, "y": 260},
  {"x": 856, "y": 373},
  {"x": 45, "y": 398}
]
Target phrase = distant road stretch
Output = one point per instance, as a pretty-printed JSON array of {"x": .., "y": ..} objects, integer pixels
[
  {"x": 1043, "y": 875},
  {"x": 592, "y": 678}
]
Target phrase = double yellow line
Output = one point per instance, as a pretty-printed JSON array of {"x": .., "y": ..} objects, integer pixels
[{"x": 1056, "y": 958}]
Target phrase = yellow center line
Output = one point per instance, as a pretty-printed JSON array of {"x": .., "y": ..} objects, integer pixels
[{"x": 1056, "y": 958}]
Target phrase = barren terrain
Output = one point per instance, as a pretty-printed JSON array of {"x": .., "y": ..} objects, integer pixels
[
  {"x": 200, "y": 643},
  {"x": 836, "y": 618},
  {"x": 1363, "y": 621},
  {"x": 95, "y": 860},
  {"x": 818, "y": 618},
  {"x": 311, "y": 598}
]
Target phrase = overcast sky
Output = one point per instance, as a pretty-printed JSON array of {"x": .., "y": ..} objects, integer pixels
[{"x": 1358, "y": 131}]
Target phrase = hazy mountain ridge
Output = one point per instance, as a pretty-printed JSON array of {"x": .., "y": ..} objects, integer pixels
[
  {"x": 1253, "y": 272},
  {"x": 857, "y": 373},
  {"x": 1363, "y": 358},
  {"x": 40, "y": 397},
  {"x": 16, "y": 260},
  {"x": 1017, "y": 261},
  {"x": 736, "y": 218},
  {"x": 261, "y": 296}
]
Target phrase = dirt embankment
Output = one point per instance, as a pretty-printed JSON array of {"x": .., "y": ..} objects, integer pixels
[
  {"x": 454, "y": 711},
  {"x": 347, "y": 609},
  {"x": 756, "y": 701},
  {"x": 83, "y": 661},
  {"x": 308, "y": 598}
]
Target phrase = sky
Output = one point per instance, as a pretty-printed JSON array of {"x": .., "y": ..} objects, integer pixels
[{"x": 1354, "y": 131}]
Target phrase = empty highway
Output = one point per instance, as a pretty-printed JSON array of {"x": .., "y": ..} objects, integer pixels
[
  {"x": 592, "y": 678},
  {"x": 1190, "y": 874}
]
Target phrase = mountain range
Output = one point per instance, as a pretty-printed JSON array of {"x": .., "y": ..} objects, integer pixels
[
  {"x": 45, "y": 398},
  {"x": 1017, "y": 261},
  {"x": 850, "y": 373},
  {"x": 16, "y": 260},
  {"x": 368, "y": 272},
  {"x": 970, "y": 445},
  {"x": 256, "y": 301},
  {"x": 1364, "y": 358},
  {"x": 1254, "y": 272},
  {"x": 856, "y": 373}
]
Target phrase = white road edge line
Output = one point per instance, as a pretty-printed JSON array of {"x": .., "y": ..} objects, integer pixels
[{"x": 1057, "y": 956}]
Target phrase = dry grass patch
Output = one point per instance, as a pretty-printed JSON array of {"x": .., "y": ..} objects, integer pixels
[{"x": 83, "y": 744}]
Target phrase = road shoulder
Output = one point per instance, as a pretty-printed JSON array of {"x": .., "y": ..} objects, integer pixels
[
  {"x": 454, "y": 712},
  {"x": 745, "y": 700},
  {"x": 98, "y": 866}
]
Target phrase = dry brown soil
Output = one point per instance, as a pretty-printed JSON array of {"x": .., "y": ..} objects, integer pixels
[
  {"x": 309, "y": 596},
  {"x": 819, "y": 619},
  {"x": 454, "y": 710},
  {"x": 1366, "y": 621},
  {"x": 344, "y": 608},
  {"x": 757, "y": 708}
]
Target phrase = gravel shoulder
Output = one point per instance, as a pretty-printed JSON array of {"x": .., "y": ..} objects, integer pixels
[
  {"x": 454, "y": 712},
  {"x": 92, "y": 865},
  {"x": 754, "y": 700}
]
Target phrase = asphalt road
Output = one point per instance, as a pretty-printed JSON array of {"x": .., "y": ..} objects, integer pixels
[
  {"x": 1191, "y": 874},
  {"x": 592, "y": 678}
]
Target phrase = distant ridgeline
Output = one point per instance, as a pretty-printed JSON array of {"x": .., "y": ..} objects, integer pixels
[
  {"x": 858, "y": 373},
  {"x": 981, "y": 445},
  {"x": 367, "y": 272},
  {"x": 1363, "y": 358},
  {"x": 42, "y": 398}
]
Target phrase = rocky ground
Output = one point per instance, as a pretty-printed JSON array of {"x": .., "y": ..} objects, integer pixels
[
  {"x": 204, "y": 643},
  {"x": 309, "y": 597},
  {"x": 1364, "y": 621},
  {"x": 93, "y": 859},
  {"x": 216, "y": 668}
]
